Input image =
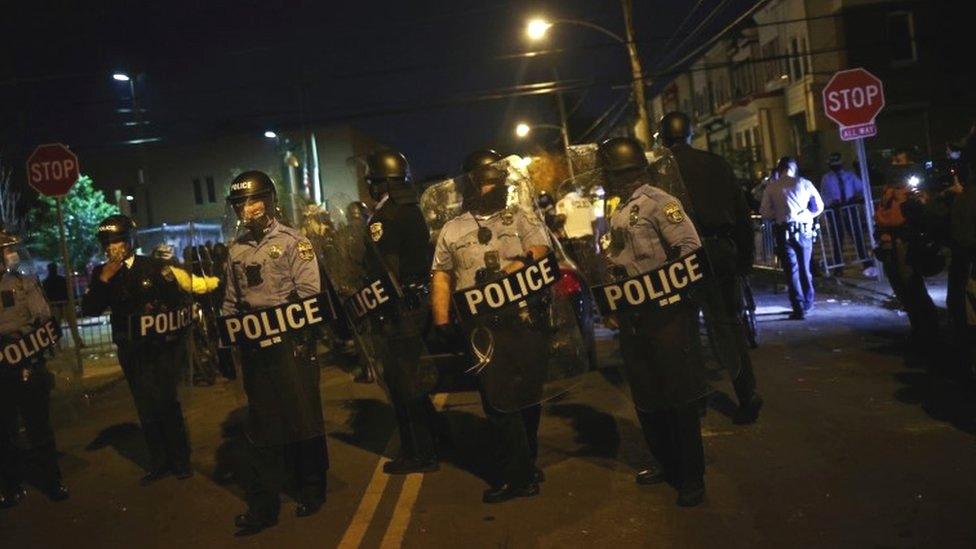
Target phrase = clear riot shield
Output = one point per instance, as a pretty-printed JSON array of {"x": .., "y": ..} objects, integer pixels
[
  {"x": 343, "y": 259},
  {"x": 171, "y": 331},
  {"x": 651, "y": 275},
  {"x": 32, "y": 330},
  {"x": 516, "y": 312}
]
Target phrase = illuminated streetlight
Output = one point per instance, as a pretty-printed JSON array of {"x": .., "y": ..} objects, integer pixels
[
  {"x": 121, "y": 77},
  {"x": 537, "y": 28},
  {"x": 270, "y": 134},
  {"x": 522, "y": 129}
]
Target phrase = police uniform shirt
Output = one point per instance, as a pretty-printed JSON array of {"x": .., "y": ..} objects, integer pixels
[
  {"x": 23, "y": 303},
  {"x": 791, "y": 200},
  {"x": 513, "y": 232},
  {"x": 266, "y": 272},
  {"x": 839, "y": 189},
  {"x": 402, "y": 238},
  {"x": 648, "y": 230},
  {"x": 579, "y": 215}
]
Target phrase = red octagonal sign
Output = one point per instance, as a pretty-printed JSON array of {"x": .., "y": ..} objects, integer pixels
[
  {"x": 853, "y": 97},
  {"x": 52, "y": 169}
]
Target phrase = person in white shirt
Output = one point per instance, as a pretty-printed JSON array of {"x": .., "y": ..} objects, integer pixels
[
  {"x": 792, "y": 203},
  {"x": 840, "y": 188},
  {"x": 575, "y": 213}
]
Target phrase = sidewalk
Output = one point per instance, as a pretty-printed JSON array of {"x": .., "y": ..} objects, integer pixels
[{"x": 937, "y": 286}]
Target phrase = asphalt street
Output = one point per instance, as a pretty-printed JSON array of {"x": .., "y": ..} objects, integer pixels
[{"x": 856, "y": 447}]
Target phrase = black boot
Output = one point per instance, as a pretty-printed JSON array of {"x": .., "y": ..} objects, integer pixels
[
  {"x": 505, "y": 492},
  {"x": 248, "y": 524},
  {"x": 651, "y": 475},
  {"x": 403, "y": 465}
]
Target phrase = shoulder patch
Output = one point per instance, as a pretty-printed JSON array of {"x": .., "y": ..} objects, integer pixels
[
  {"x": 376, "y": 231},
  {"x": 305, "y": 252},
  {"x": 673, "y": 212}
]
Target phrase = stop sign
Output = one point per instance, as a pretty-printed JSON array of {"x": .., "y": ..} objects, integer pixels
[
  {"x": 52, "y": 169},
  {"x": 853, "y": 97}
]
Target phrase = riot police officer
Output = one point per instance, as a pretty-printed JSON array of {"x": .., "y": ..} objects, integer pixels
[
  {"x": 132, "y": 285},
  {"x": 25, "y": 382},
  {"x": 271, "y": 264},
  {"x": 721, "y": 214},
  {"x": 482, "y": 244},
  {"x": 660, "y": 347},
  {"x": 400, "y": 249}
]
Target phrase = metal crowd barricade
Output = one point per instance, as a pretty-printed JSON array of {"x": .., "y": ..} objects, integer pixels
[{"x": 842, "y": 240}]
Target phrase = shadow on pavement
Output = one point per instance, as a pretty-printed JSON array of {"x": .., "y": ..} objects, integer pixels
[
  {"x": 126, "y": 438},
  {"x": 599, "y": 435},
  {"x": 942, "y": 399},
  {"x": 231, "y": 456},
  {"x": 722, "y": 403},
  {"x": 370, "y": 425}
]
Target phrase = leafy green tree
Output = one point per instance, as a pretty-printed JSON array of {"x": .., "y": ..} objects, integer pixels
[{"x": 83, "y": 208}]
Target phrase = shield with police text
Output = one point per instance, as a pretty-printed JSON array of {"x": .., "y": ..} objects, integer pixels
[
  {"x": 512, "y": 290},
  {"x": 651, "y": 275}
]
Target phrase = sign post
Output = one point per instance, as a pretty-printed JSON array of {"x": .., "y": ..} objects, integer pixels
[
  {"x": 853, "y": 98},
  {"x": 52, "y": 170}
]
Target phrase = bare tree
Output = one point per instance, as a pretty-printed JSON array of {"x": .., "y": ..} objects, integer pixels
[{"x": 9, "y": 198}]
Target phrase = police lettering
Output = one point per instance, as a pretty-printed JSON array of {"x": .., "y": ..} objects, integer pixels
[
  {"x": 513, "y": 288},
  {"x": 30, "y": 345},
  {"x": 164, "y": 323},
  {"x": 368, "y": 299},
  {"x": 661, "y": 287},
  {"x": 267, "y": 325}
]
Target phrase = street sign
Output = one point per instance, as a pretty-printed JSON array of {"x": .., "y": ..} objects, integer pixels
[
  {"x": 52, "y": 169},
  {"x": 853, "y": 98}
]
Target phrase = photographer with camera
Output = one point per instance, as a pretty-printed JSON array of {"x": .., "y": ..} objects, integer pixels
[{"x": 903, "y": 246}]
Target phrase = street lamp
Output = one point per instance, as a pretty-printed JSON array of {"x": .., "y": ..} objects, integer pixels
[
  {"x": 537, "y": 28},
  {"x": 270, "y": 134},
  {"x": 522, "y": 129},
  {"x": 121, "y": 77}
]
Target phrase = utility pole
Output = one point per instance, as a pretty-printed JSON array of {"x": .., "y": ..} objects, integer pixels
[
  {"x": 642, "y": 128},
  {"x": 563, "y": 125}
]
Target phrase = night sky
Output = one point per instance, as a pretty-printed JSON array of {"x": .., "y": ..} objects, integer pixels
[{"x": 433, "y": 78}]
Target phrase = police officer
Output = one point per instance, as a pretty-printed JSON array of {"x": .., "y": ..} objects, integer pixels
[
  {"x": 400, "y": 249},
  {"x": 792, "y": 203},
  {"x": 483, "y": 243},
  {"x": 721, "y": 214},
  {"x": 25, "y": 383},
  {"x": 660, "y": 348},
  {"x": 131, "y": 285},
  {"x": 271, "y": 264}
]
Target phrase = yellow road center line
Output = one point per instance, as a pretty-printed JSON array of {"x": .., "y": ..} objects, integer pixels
[
  {"x": 367, "y": 508},
  {"x": 400, "y": 520}
]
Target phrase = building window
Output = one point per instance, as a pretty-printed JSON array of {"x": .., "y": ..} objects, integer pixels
[
  {"x": 211, "y": 192},
  {"x": 796, "y": 68},
  {"x": 197, "y": 192},
  {"x": 901, "y": 37}
]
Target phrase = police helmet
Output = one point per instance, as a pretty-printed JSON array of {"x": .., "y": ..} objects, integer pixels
[
  {"x": 481, "y": 167},
  {"x": 675, "y": 128},
  {"x": 117, "y": 228},
  {"x": 386, "y": 164},
  {"x": 251, "y": 184},
  {"x": 619, "y": 154}
]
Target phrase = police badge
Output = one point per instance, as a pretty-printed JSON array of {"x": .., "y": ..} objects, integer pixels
[
  {"x": 673, "y": 212},
  {"x": 634, "y": 214},
  {"x": 274, "y": 251},
  {"x": 305, "y": 252},
  {"x": 376, "y": 231},
  {"x": 508, "y": 217}
]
